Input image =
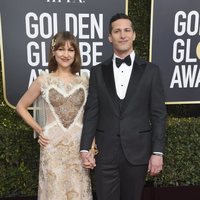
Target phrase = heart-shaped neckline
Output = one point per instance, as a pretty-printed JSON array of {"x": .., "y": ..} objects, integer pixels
[{"x": 66, "y": 106}]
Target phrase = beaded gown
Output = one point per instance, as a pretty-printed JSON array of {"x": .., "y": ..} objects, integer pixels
[{"x": 61, "y": 175}]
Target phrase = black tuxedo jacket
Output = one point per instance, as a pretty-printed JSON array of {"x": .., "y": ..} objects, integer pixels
[{"x": 139, "y": 123}]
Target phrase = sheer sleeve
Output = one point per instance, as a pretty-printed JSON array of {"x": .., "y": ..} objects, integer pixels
[{"x": 39, "y": 111}]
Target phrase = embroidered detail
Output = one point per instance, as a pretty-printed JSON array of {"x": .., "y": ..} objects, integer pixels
[{"x": 66, "y": 108}]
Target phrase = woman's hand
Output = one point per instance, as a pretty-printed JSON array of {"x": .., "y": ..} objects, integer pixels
[
  {"x": 43, "y": 140},
  {"x": 88, "y": 160}
]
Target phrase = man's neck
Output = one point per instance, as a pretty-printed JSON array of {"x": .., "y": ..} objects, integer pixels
[{"x": 123, "y": 54}]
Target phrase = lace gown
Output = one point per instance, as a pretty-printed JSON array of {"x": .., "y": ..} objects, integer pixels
[{"x": 61, "y": 175}]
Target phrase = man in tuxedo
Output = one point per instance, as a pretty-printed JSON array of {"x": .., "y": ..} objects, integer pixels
[{"x": 126, "y": 114}]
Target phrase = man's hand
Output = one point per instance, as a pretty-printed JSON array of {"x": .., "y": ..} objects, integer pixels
[
  {"x": 88, "y": 160},
  {"x": 155, "y": 165}
]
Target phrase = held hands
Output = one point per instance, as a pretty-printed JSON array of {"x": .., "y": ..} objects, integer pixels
[
  {"x": 88, "y": 160},
  {"x": 155, "y": 165}
]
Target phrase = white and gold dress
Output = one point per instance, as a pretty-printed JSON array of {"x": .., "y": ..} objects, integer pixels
[{"x": 61, "y": 175}]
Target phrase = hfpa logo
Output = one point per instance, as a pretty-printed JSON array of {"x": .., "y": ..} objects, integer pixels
[{"x": 66, "y": 1}]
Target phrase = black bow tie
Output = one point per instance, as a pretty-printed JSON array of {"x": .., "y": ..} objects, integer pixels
[{"x": 126, "y": 60}]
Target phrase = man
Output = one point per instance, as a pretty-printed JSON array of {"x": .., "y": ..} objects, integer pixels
[{"x": 125, "y": 113}]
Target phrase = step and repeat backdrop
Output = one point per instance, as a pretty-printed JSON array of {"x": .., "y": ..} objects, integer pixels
[
  {"x": 27, "y": 26},
  {"x": 175, "y": 47}
]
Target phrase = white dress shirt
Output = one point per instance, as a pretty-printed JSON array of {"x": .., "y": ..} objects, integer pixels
[{"x": 122, "y": 75}]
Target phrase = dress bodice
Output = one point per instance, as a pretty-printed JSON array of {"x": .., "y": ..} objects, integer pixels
[{"x": 64, "y": 102}]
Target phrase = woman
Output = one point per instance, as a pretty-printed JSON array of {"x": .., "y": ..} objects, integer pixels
[{"x": 62, "y": 96}]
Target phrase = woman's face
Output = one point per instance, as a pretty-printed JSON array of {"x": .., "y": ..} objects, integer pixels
[{"x": 65, "y": 55}]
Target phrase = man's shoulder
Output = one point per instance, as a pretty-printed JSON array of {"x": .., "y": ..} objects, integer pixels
[
  {"x": 142, "y": 62},
  {"x": 103, "y": 63}
]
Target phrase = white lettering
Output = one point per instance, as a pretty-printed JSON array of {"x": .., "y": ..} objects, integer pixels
[
  {"x": 36, "y": 53},
  {"x": 176, "y": 78},
  {"x": 95, "y": 53},
  {"x": 186, "y": 76},
  {"x": 179, "y": 27},
  {"x": 34, "y": 75},
  {"x": 187, "y": 56},
  {"x": 97, "y": 26},
  {"x": 181, "y": 50},
  {"x": 90, "y": 51},
  {"x": 197, "y": 80},
  {"x": 178, "y": 54},
  {"x": 85, "y": 50},
  {"x": 195, "y": 21},
  {"x": 30, "y": 25},
  {"x": 74, "y": 23},
  {"x": 184, "y": 23},
  {"x": 45, "y": 25},
  {"x": 84, "y": 26},
  {"x": 33, "y": 58}
]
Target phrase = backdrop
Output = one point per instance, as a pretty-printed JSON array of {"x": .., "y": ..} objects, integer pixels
[
  {"x": 175, "y": 47},
  {"x": 28, "y": 25}
]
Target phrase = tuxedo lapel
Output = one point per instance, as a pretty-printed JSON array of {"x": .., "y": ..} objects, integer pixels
[
  {"x": 137, "y": 71},
  {"x": 108, "y": 75}
]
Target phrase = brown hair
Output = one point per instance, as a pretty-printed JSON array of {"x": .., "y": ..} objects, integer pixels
[
  {"x": 58, "y": 41},
  {"x": 117, "y": 17}
]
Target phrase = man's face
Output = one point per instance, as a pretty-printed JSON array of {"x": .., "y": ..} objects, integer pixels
[{"x": 122, "y": 36}]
